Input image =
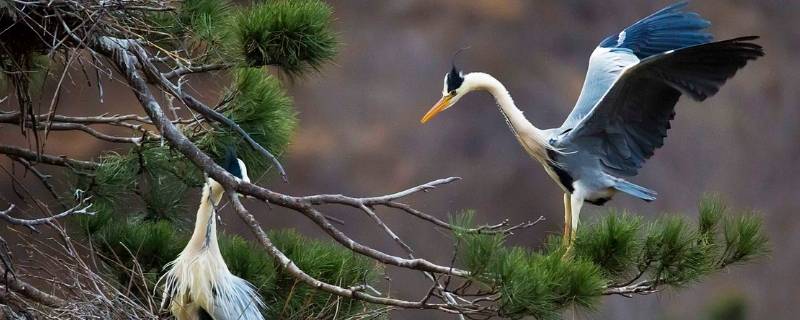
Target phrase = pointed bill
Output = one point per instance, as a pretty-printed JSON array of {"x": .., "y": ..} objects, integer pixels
[{"x": 440, "y": 106}]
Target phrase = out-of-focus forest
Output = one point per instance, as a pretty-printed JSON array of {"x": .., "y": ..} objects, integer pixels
[{"x": 360, "y": 134}]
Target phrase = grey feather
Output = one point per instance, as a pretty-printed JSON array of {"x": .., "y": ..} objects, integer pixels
[{"x": 631, "y": 120}]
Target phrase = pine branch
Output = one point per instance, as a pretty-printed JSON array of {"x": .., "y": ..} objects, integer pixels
[
  {"x": 353, "y": 292},
  {"x": 201, "y": 108},
  {"x": 182, "y": 71}
]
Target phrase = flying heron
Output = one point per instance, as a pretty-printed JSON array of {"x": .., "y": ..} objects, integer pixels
[
  {"x": 198, "y": 284},
  {"x": 633, "y": 82}
]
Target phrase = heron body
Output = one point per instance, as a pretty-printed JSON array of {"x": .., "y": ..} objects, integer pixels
[
  {"x": 198, "y": 284},
  {"x": 623, "y": 112}
]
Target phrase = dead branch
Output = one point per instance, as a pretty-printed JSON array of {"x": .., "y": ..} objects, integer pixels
[
  {"x": 33, "y": 157},
  {"x": 32, "y": 293},
  {"x": 289, "y": 266},
  {"x": 643, "y": 287},
  {"x": 78, "y": 209},
  {"x": 182, "y": 71}
]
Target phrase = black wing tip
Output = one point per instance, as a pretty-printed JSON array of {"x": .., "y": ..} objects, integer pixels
[{"x": 746, "y": 43}]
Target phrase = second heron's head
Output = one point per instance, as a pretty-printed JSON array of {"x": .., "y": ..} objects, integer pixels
[
  {"x": 456, "y": 85},
  {"x": 235, "y": 166}
]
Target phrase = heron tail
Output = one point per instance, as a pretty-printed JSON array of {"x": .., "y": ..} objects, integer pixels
[{"x": 635, "y": 190}]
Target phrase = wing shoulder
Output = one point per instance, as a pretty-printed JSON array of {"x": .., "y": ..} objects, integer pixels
[{"x": 605, "y": 67}]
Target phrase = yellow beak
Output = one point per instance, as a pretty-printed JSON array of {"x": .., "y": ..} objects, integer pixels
[{"x": 443, "y": 103}]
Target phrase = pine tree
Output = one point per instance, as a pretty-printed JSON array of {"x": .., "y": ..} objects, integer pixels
[{"x": 129, "y": 208}]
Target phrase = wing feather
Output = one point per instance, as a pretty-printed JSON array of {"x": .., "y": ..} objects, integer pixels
[
  {"x": 667, "y": 29},
  {"x": 631, "y": 120}
]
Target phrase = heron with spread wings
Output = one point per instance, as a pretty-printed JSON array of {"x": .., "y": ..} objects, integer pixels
[{"x": 624, "y": 110}]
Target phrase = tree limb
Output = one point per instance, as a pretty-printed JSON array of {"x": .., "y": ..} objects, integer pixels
[
  {"x": 76, "y": 210},
  {"x": 288, "y": 265},
  {"x": 33, "y": 157},
  {"x": 119, "y": 52},
  {"x": 196, "y": 105}
]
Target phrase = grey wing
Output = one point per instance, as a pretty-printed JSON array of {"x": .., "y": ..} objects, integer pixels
[
  {"x": 605, "y": 67},
  {"x": 631, "y": 119},
  {"x": 667, "y": 29}
]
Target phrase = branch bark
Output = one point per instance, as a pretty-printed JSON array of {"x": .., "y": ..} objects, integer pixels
[
  {"x": 76, "y": 210},
  {"x": 33, "y": 157}
]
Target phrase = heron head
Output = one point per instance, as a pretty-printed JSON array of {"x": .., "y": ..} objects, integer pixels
[
  {"x": 453, "y": 89},
  {"x": 235, "y": 166}
]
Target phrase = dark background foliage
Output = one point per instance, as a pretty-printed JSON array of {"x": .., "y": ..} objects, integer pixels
[{"x": 359, "y": 133}]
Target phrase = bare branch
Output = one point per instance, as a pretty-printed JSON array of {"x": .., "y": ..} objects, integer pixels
[
  {"x": 644, "y": 287},
  {"x": 64, "y": 123},
  {"x": 14, "y": 117},
  {"x": 47, "y": 159},
  {"x": 289, "y": 266},
  {"x": 78, "y": 209},
  {"x": 44, "y": 178},
  {"x": 32, "y": 293},
  {"x": 196, "y": 69}
]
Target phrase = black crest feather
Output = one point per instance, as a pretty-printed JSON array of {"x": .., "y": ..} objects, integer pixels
[{"x": 455, "y": 77}]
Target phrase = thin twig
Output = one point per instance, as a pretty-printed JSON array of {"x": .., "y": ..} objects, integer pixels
[{"x": 78, "y": 209}]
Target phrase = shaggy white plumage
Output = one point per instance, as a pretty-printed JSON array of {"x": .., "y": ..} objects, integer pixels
[{"x": 198, "y": 283}]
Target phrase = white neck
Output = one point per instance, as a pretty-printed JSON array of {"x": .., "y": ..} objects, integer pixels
[
  {"x": 205, "y": 226},
  {"x": 531, "y": 138}
]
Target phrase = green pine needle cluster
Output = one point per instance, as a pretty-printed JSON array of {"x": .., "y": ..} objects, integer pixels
[
  {"x": 149, "y": 182},
  {"x": 530, "y": 282},
  {"x": 195, "y": 23},
  {"x": 617, "y": 249},
  {"x": 326, "y": 261},
  {"x": 205, "y": 19},
  {"x": 293, "y": 35},
  {"x": 279, "y": 33},
  {"x": 671, "y": 250},
  {"x": 259, "y": 104}
]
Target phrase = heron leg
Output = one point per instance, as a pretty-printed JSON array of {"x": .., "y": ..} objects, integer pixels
[
  {"x": 573, "y": 204},
  {"x": 565, "y": 238},
  {"x": 576, "y": 203}
]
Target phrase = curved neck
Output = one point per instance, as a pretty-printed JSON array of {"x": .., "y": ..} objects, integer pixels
[
  {"x": 531, "y": 138},
  {"x": 205, "y": 226}
]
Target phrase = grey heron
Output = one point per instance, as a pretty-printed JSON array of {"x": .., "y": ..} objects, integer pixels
[
  {"x": 198, "y": 284},
  {"x": 623, "y": 112}
]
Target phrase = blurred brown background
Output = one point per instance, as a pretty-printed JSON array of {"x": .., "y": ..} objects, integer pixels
[{"x": 360, "y": 134}]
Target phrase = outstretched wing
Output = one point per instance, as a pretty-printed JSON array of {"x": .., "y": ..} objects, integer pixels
[
  {"x": 668, "y": 29},
  {"x": 632, "y": 118}
]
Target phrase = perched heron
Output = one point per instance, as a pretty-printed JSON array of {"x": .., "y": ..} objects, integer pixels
[
  {"x": 198, "y": 285},
  {"x": 633, "y": 82}
]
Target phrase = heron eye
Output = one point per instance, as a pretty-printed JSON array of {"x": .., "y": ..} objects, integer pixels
[{"x": 453, "y": 93}]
